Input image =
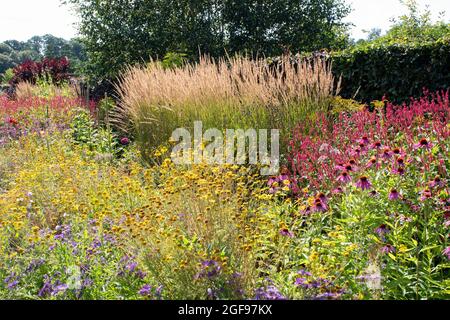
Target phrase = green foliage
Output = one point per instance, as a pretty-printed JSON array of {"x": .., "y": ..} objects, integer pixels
[
  {"x": 117, "y": 33},
  {"x": 414, "y": 27},
  {"x": 7, "y": 76},
  {"x": 98, "y": 139},
  {"x": 174, "y": 60},
  {"x": 13, "y": 52},
  {"x": 399, "y": 71}
]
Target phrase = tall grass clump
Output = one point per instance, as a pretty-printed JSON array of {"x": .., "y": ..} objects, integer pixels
[{"x": 226, "y": 93}]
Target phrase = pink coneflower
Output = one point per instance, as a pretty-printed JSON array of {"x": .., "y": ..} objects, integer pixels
[
  {"x": 446, "y": 252},
  {"x": 425, "y": 195},
  {"x": 371, "y": 162},
  {"x": 423, "y": 144},
  {"x": 382, "y": 230},
  {"x": 400, "y": 171},
  {"x": 396, "y": 151},
  {"x": 364, "y": 141},
  {"x": 319, "y": 206},
  {"x": 387, "y": 154},
  {"x": 364, "y": 183},
  {"x": 400, "y": 162},
  {"x": 323, "y": 198},
  {"x": 394, "y": 195},
  {"x": 307, "y": 211},
  {"x": 338, "y": 190},
  {"x": 437, "y": 182},
  {"x": 388, "y": 249},
  {"x": 344, "y": 177},
  {"x": 373, "y": 193},
  {"x": 377, "y": 145},
  {"x": 286, "y": 233}
]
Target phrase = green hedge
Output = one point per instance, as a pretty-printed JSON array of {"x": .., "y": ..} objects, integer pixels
[{"x": 397, "y": 71}]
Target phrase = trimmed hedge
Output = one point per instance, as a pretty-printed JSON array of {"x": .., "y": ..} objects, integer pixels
[{"x": 397, "y": 71}]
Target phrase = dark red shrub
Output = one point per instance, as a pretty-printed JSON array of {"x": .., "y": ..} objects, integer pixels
[{"x": 51, "y": 70}]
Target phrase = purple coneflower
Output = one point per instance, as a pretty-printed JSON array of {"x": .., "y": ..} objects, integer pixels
[
  {"x": 387, "y": 154},
  {"x": 307, "y": 211},
  {"x": 377, "y": 145},
  {"x": 286, "y": 233},
  {"x": 371, "y": 162},
  {"x": 382, "y": 230},
  {"x": 319, "y": 206},
  {"x": 388, "y": 249},
  {"x": 437, "y": 182},
  {"x": 364, "y": 183},
  {"x": 394, "y": 195},
  {"x": 423, "y": 144},
  {"x": 344, "y": 177},
  {"x": 337, "y": 190},
  {"x": 400, "y": 171},
  {"x": 425, "y": 195},
  {"x": 446, "y": 252}
]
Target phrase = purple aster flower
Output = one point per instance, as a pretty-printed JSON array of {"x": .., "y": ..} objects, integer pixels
[
  {"x": 146, "y": 290},
  {"x": 131, "y": 266},
  {"x": 364, "y": 183},
  {"x": 269, "y": 293}
]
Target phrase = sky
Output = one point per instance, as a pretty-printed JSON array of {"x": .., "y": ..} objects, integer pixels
[{"x": 22, "y": 19}]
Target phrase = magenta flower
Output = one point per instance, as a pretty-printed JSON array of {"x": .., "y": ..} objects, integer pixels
[
  {"x": 382, "y": 230},
  {"x": 394, "y": 195},
  {"x": 364, "y": 183},
  {"x": 146, "y": 290},
  {"x": 319, "y": 206},
  {"x": 400, "y": 171},
  {"x": 338, "y": 190},
  {"x": 437, "y": 182},
  {"x": 423, "y": 144},
  {"x": 446, "y": 252},
  {"x": 425, "y": 195},
  {"x": 124, "y": 141},
  {"x": 387, "y": 154},
  {"x": 388, "y": 249},
  {"x": 377, "y": 145},
  {"x": 344, "y": 177},
  {"x": 286, "y": 233},
  {"x": 371, "y": 162}
]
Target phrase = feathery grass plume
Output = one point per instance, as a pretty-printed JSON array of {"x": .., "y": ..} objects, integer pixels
[{"x": 230, "y": 93}]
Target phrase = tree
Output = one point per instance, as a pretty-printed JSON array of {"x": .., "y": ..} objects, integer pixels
[{"x": 121, "y": 32}]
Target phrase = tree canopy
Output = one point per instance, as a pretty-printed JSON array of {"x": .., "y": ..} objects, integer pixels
[
  {"x": 121, "y": 32},
  {"x": 13, "y": 52}
]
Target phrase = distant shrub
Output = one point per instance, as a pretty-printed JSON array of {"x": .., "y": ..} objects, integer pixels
[{"x": 55, "y": 71}]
